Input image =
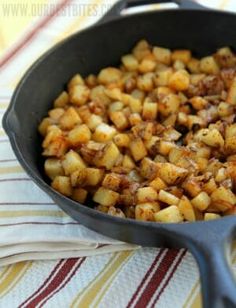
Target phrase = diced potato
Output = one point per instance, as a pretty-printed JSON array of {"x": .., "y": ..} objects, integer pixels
[
  {"x": 114, "y": 93},
  {"x": 79, "y": 94},
  {"x": 122, "y": 140},
  {"x": 221, "y": 175},
  {"x": 116, "y": 106},
  {"x": 128, "y": 162},
  {"x": 178, "y": 65},
  {"x": 162, "y": 55},
  {"x": 194, "y": 66},
  {"x": 179, "y": 80},
  {"x": 183, "y": 55},
  {"x": 225, "y": 57},
  {"x": 135, "y": 119},
  {"x": 79, "y": 195},
  {"x": 93, "y": 122},
  {"x": 94, "y": 176},
  {"x": 210, "y": 186},
  {"x": 141, "y": 50},
  {"x": 112, "y": 181},
  {"x": 208, "y": 65},
  {"x": 147, "y": 65},
  {"x": 69, "y": 119},
  {"x": 134, "y": 103},
  {"x": 223, "y": 199},
  {"x": 167, "y": 198},
  {"x": 109, "y": 75},
  {"x": 119, "y": 119},
  {"x": 169, "y": 105},
  {"x": 106, "y": 197},
  {"x": 230, "y": 138},
  {"x": 146, "y": 194},
  {"x": 99, "y": 94},
  {"x": 114, "y": 211},
  {"x": 76, "y": 80},
  {"x": 55, "y": 114},
  {"x": 145, "y": 82},
  {"x": 137, "y": 149},
  {"x": 78, "y": 177},
  {"x": 171, "y": 174},
  {"x": 211, "y": 137},
  {"x": 224, "y": 109},
  {"x": 201, "y": 201},
  {"x": 108, "y": 156},
  {"x": 170, "y": 214},
  {"x": 165, "y": 147},
  {"x": 55, "y": 143},
  {"x": 162, "y": 77},
  {"x": 186, "y": 209},
  {"x": 145, "y": 211},
  {"x": 148, "y": 168},
  {"x": 192, "y": 186},
  {"x": 61, "y": 100},
  {"x": 157, "y": 184},
  {"x": 149, "y": 111},
  {"x": 198, "y": 102},
  {"x": 43, "y": 126},
  {"x": 72, "y": 161},
  {"x": 211, "y": 216},
  {"x": 91, "y": 81},
  {"x": 130, "y": 62},
  {"x": 62, "y": 184},
  {"x": 79, "y": 134},
  {"x": 53, "y": 167},
  {"x": 104, "y": 133}
]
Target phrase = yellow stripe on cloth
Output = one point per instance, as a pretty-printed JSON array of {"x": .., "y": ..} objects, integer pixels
[
  {"x": 93, "y": 293},
  {"x": 15, "y": 274},
  {"x": 10, "y": 214},
  {"x": 11, "y": 169}
]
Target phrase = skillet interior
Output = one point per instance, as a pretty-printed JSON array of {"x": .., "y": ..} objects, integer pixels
[{"x": 88, "y": 52}]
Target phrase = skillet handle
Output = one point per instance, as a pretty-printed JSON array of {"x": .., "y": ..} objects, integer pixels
[
  {"x": 211, "y": 248},
  {"x": 117, "y": 8}
]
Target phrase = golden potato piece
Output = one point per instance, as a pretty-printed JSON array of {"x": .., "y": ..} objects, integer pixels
[
  {"x": 130, "y": 62},
  {"x": 201, "y": 201},
  {"x": 79, "y": 195},
  {"x": 108, "y": 156},
  {"x": 72, "y": 162},
  {"x": 186, "y": 209},
  {"x": 62, "y": 100},
  {"x": 62, "y": 184},
  {"x": 53, "y": 167},
  {"x": 179, "y": 80},
  {"x": 208, "y": 65},
  {"x": 211, "y": 137},
  {"x": 167, "y": 198},
  {"x": 104, "y": 133},
  {"x": 223, "y": 199},
  {"x": 137, "y": 149},
  {"x": 211, "y": 216},
  {"x": 145, "y": 211},
  {"x": 146, "y": 194},
  {"x": 170, "y": 173},
  {"x": 112, "y": 181},
  {"x": 106, "y": 197},
  {"x": 109, "y": 75},
  {"x": 170, "y": 214},
  {"x": 79, "y": 94},
  {"x": 79, "y": 134},
  {"x": 69, "y": 119},
  {"x": 183, "y": 55},
  {"x": 93, "y": 176},
  {"x": 162, "y": 55}
]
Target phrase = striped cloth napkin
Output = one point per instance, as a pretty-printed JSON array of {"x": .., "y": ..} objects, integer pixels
[{"x": 85, "y": 269}]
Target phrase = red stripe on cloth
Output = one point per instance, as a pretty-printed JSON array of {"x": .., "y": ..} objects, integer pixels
[
  {"x": 148, "y": 273},
  {"x": 44, "y": 283},
  {"x": 32, "y": 33},
  {"x": 157, "y": 278},
  {"x": 169, "y": 278},
  {"x": 62, "y": 274},
  {"x": 64, "y": 284}
]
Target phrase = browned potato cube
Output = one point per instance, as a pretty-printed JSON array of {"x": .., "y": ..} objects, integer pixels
[
  {"x": 128, "y": 162},
  {"x": 145, "y": 82},
  {"x": 137, "y": 149},
  {"x": 119, "y": 119},
  {"x": 72, "y": 161},
  {"x": 99, "y": 94},
  {"x": 201, "y": 201},
  {"x": 194, "y": 66},
  {"x": 158, "y": 184},
  {"x": 148, "y": 168},
  {"x": 53, "y": 168},
  {"x": 122, "y": 140},
  {"x": 224, "y": 109},
  {"x": 130, "y": 62},
  {"x": 43, "y": 126},
  {"x": 141, "y": 50},
  {"x": 198, "y": 102},
  {"x": 116, "y": 106},
  {"x": 79, "y": 134},
  {"x": 69, "y": 119},
  {"x": 211, "y": 216},
  {"x": 230, "y": 138},
  {"x": 108, "y": 156},
  {"x": 225, "y": 57},
  {"x": 167, "y": 198},
  {"x": 61, "y": 100},
  {"x": 169, "y": 105},
  {"x": 211, "y": 137},
  {"x": 145, "y": 211},
  {"x": 55, "y": 114},
  {"x": 106, "y": 197},
  {"x": 76, "y": 80},
  {"x": 79, "y": 94},
  {"x": 149, "y": 111},
  {"x": 162, "y": 77},
  {"x": 109, "y": 75},
  {"x": 112, "y": 181},
  {"x": 113, "y": 211},
  {"x": 104, "y": 133},
  {"x": 168, "y": 215},
  {"x": 62, "y": 184},
  {"x": 79, "y": 195},
  {"x": 146, "y": 194},
  {"x": 147, "y": 65},
  {"x": 94, "y": 176},
  {"x": 183, "y": 55},
  {"x": 93, "y": 121},
  {"x": 186, "y": 209},
  {"x": 223, "y": 199},
  {"x": 208, "y": 65},
  {"x": 171, "y": 174},
  {"x": 179, "y": 80},
  {"x": 135, "y": 119},
  {"x": 162, "y": 55}
]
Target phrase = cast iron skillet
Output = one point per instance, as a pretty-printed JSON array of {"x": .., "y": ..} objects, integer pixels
[{"x": 202, "y": 31}]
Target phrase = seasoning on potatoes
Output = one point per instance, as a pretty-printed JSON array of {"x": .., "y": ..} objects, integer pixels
[{"x": 153, "y": 139}]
